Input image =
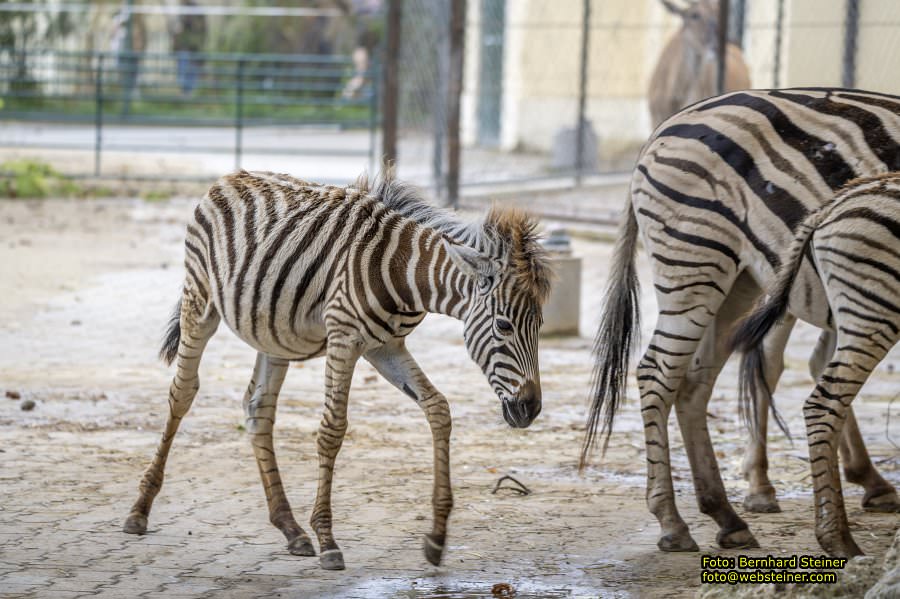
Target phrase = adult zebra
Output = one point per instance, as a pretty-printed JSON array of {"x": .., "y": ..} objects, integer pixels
[
  {"x": 716, "y": 195},
  {"x": 299, "y": 270},
  {"x": 853, "y": 241}
]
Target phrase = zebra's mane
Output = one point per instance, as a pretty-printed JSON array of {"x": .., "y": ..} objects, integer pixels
[{"x": 508, "y": 234}]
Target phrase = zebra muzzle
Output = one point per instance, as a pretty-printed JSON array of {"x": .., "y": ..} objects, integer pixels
[{"x": 521, "y": 411}]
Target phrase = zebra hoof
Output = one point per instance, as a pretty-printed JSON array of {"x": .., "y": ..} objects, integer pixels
[
  {"x": 332, "y": 559},
  {"x": 673, "y": 542},
  {"x": 737, "y": 539},
  {"x": 761, "y": 503},
  {"x": 135, "y": 524},
  {"x": 887, "y": 501},
  {"x": 839, "y": 544},
  {"x": 301, "y": 546},
  {"x": 433, "y": 550}
]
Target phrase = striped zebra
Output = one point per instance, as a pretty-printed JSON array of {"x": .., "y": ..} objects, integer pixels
[
  {"x": 716, "y": 195},
  {"x": 854, "y": 243},
  {"x": 299, "y": 270}
]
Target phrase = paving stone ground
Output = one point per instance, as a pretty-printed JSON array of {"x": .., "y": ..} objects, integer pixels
[{"x": 86, "y": 287}]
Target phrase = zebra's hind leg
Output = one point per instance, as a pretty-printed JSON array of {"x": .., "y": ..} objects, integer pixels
[
  {"x": 761, "y": 493},
  {"x": 690, "y": 406},
  {"x": 198, "y": 321},
  {"x": 260, "y": 402},
  {"x": 342, "y": 355},
  {"x": 689, "y": 304},
  {"x": 880, "y": 495},
  {"x": 825, "y": 413}
]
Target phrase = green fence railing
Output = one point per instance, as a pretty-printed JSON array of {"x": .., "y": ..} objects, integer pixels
[{"x": 188, "y": 89}]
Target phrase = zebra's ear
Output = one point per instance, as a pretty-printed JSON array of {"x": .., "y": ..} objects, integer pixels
[{"x": 469, "y": 260}]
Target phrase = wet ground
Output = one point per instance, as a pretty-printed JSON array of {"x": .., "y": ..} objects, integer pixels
[{"x": 86, "y": 288}]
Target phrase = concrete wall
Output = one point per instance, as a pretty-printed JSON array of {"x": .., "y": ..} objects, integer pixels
[
  {"x": 541, "y": 69},
  {"x": 542, "y": 46}
]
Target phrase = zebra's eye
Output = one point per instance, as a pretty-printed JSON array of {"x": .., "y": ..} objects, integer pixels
[{"x": 504, "y": 326}]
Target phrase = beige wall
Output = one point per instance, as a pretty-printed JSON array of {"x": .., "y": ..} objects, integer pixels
[
  {"x": 878, "y": 53},
  {"x": 541, "y": 61},
  {"x": 541, "y": 69},
  {"x": 814, "y": 42}
]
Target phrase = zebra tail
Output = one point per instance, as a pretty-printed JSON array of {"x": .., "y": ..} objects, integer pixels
[
  {"x": 619, "y": 328},
  {"x": 749, "y": 334},
  {"x": 172, "y": 337}
]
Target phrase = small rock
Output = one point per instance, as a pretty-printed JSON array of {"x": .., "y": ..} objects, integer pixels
[
  {"x": 27, "y": 405},
  {"x": 886, "y": 588},
  {"x": 13, "y": 395},
  {"x": 76, "y": 323}
]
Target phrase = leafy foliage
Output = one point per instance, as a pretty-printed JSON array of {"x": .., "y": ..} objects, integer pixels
[
  {"x": 267, "y": 35},
  {"x": 22, "y": 30},
  {"x": 32, "y": 179}
]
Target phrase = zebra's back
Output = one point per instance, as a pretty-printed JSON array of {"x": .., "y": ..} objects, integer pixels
[
  {"x": 270, "y": 251},
  {"x": 856, "y": 248},
  {"x": 735, "y": 175}
]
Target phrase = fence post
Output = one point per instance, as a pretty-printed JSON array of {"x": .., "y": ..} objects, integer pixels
[
  {"x": 390, "y": 81},
  {"x": 98, "y": 114},
  {"x": 582, "y": 91},
  {"x": 239, "y": 114},
  {"x": 374, "y": 74},
  {"x": 851, "y": 34},
  {"x": 779, "y": 25},
  {"x": 457, "y": 42},
  {"x": 723, "y": 45}
]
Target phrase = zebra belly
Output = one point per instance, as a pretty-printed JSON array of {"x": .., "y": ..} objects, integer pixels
[
  {"x": 303, "y": 344},
  {"x": 277, "y": 322}
]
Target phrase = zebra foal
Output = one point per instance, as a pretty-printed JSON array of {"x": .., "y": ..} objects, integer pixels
[
  {"x": 299, "y": 270},
  {"x": 854, "y": 243}
]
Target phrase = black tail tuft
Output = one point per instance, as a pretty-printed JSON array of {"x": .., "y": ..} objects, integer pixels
[
  {"x": 618, "y": 331},
  {"x": 172, "y": 337},
  {"x": 753, "y": 388},
  {"x": 750, "y": 333}
]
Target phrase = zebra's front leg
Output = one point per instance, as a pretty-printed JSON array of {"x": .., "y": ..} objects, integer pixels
[
  {"x": 341, "y": 359},
  {"x": 260, "y": 403},
  {"x": 880, "y": 495},
  {"x": 395, "y": 363}
]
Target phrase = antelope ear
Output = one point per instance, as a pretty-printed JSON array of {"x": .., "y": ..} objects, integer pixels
[
  {"x": 672, "y": 8},
  {"x": 469, "y": 260}
]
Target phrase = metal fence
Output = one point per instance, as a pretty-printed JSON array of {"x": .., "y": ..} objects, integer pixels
[
  {"x": 552, "y": 91},
  {"x": 229, "y": 105},
  {"x": 541, "y": 75}
]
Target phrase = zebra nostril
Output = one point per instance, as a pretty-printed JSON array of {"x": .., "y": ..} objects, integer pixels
[{"x": 529, "y": 399}]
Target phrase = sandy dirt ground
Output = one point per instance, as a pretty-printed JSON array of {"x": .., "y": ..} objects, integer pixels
[{"x": 85, "y": 290}]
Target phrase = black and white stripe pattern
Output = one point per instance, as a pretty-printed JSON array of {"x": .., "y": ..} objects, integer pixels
[
  {"x": 299, "y": 270},
  {"x": 716, "y": 196},
  {"x": 854, "y": 242}
]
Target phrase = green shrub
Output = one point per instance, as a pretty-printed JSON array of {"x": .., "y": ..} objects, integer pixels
[{"x": 33, "y": 179}]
